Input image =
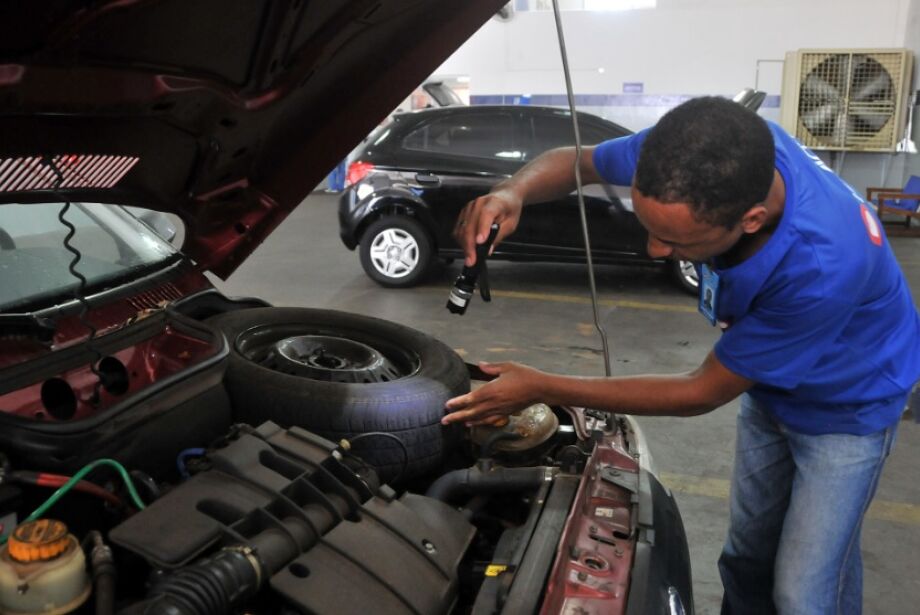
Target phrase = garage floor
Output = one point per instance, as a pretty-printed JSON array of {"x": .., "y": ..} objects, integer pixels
[{"x": 541, "y": 315}]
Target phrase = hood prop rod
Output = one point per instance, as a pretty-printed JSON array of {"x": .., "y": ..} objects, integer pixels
[{"x": 581, "y": 197}]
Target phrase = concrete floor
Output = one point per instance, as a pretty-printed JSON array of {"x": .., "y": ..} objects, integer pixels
[{"x": 541, "y": 315}]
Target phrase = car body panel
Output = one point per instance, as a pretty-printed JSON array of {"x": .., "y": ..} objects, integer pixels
[{"x": 389, "y": 194}]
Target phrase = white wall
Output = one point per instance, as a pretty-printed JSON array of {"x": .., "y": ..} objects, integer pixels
[
  {"x": 681, "y": 48},
  {"x": 904, "y": 165}
]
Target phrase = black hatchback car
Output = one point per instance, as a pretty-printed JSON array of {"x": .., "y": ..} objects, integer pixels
[{"x": 413, "y": 174}]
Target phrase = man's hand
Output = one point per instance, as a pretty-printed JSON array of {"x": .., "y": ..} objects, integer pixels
[
  {"x": 474, "y": 222},
  {"x": 548, "y": 177},
  {"x": 516, "y": 388}
]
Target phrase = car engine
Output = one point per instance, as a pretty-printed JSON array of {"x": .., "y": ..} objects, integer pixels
[
  {"x": 165, "y": 502},
  {"x": 280, "y": 520},
  {"x": 283, "y": 510}
]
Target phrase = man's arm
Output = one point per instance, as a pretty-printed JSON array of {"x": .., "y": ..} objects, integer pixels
[
  {"x": 547, "y": 177},
  {"x": 697, "y": 392}
]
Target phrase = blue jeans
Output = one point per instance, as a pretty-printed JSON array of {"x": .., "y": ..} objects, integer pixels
[{"x": 797, "y": 504}]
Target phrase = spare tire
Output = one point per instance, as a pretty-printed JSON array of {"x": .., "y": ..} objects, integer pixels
[{"x": 339, "y": 375}]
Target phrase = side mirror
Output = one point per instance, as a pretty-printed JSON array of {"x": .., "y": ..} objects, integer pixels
[
  {"x": 750, "y": 98},
  {"x": 442, "y": 94},
  {"x": 158, "y": 222}
]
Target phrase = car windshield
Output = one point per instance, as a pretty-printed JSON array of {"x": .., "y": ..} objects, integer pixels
[{"x": 34, "y": 262}]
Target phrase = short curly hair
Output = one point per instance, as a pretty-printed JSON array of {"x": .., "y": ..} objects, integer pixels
[{"x": 712, "y": 154}]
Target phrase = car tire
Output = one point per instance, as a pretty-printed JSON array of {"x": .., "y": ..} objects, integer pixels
[
  {"x": 686, "y": 276},
  {"x": 404, "y": 398},
  {"x": 396, "y": 251}
]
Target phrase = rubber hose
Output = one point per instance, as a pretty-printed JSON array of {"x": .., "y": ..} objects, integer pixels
[
  {"x": 212, "y": 586},
  {"x": 103, "y": 567},
  {"x": 474, "y": 481},
  {"x": 105, "y": 593},
  {"x": 495, "y": 438}
]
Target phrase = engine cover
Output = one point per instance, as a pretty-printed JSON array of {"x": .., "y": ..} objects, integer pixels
[{"x": 330, "y": 541}]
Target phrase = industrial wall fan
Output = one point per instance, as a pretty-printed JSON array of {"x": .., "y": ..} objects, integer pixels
[{"x": 846, "y": 99}]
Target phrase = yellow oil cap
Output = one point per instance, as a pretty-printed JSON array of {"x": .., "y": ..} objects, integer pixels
[{"x": 38, "y": 541}]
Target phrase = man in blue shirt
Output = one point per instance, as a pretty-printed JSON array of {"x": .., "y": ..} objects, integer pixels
[{"x": 820, "y": 336}]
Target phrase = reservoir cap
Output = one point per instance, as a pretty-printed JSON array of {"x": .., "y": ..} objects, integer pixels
[{"x": 38, "y": 541}]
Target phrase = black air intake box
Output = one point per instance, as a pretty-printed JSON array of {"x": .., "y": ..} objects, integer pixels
[{"x": 331, "y": 542}]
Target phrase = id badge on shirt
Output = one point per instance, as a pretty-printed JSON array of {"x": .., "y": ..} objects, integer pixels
[{"x": 709, "y": 293}]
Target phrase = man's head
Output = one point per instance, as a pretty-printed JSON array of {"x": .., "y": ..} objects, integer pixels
[{"x": 713, "y": 161}]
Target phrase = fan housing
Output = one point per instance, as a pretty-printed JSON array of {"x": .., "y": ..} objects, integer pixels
[{"x": 846, "y": 99}]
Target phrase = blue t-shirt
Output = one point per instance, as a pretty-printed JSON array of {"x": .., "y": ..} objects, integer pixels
[{"x": 820, "y": 317}]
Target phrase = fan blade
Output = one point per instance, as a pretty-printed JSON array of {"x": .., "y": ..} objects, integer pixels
[
  {"x": 818, "y": 87},
  {"x": 878, "y": 87},
  {"x": 824, "y": 120}
]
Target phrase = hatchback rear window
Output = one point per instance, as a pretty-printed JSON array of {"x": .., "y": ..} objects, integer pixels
[
  {"x": 554, "y": 131},
  {"x": 483, "y": 136}
]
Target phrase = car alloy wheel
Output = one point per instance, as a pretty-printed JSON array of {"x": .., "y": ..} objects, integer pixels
[
  {"x": 686, "y": 275},
  {"x": 395, "y": 251}
]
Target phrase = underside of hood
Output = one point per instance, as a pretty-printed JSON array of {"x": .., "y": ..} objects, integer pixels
[{"x": 225, "y": 112}]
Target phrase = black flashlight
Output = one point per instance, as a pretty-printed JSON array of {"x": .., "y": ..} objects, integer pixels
[{"x": 465, "y": 285}]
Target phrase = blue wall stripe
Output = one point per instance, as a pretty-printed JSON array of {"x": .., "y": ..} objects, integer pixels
[{"x": 597, "y": 100}]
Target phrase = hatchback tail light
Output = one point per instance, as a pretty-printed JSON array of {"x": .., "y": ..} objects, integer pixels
[{"x": 357, "y": 171}]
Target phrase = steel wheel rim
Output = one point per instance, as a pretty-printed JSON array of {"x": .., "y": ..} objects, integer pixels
[
  {"x": 323, "y": 354},
  {"x": 394, "y": 253}
]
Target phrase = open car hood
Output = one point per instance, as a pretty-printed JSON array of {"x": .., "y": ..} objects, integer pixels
[{"x": 225, "y": 112}]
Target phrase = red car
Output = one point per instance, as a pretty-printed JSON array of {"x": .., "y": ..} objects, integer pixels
[{"x": 167, "y": 449}]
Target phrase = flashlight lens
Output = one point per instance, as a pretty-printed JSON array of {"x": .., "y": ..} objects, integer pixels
[{"x": 458, "y": 300}]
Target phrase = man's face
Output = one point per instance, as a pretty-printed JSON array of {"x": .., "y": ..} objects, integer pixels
[{"x": 673, "y": 232}]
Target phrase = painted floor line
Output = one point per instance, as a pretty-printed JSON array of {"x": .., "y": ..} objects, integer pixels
[
  {"x": 621, "y": 303},
  {"x": 586, "y": 300},
  {"x": 880, "y": 510}
]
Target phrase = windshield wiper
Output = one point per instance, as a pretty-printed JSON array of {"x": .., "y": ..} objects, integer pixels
[{"x": 27, "y": 326}]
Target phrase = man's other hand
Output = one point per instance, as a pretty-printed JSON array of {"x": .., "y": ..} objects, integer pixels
[
  {"x": 516, "y": 388},
  {"x": 475, "y": 220}
]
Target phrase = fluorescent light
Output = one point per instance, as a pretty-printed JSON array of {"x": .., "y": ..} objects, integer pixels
[{"x": 618, "y": 5}]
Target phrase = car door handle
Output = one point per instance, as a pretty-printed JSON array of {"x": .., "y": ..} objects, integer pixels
[{"x": 428, "y": 179}]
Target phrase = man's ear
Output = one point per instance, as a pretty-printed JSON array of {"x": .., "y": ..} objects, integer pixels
[{"x": 754, "y": 219}]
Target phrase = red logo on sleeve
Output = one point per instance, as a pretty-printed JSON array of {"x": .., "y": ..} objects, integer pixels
[{"x": 875, "y": 233}]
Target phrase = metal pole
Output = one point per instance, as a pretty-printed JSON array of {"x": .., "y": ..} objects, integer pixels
[{"x": 581, "y": 197}]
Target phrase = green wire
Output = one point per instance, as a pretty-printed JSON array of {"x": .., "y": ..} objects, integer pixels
[{"x": 63, "y": 489}]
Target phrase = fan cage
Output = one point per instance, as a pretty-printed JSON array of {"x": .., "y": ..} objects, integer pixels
[{"x": 849, "y": 100}]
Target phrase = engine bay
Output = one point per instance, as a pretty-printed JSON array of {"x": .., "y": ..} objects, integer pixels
[
  {"x": 184, "y": 494},
  {"x": 275, "y": 520}
]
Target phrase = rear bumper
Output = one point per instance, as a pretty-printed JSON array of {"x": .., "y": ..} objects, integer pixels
[{"x": 348, "y": 221}]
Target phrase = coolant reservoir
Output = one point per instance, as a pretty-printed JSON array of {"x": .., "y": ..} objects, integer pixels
[
  {"x": 531, "y": 427},
  {"x": 42, "y": 570}
]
